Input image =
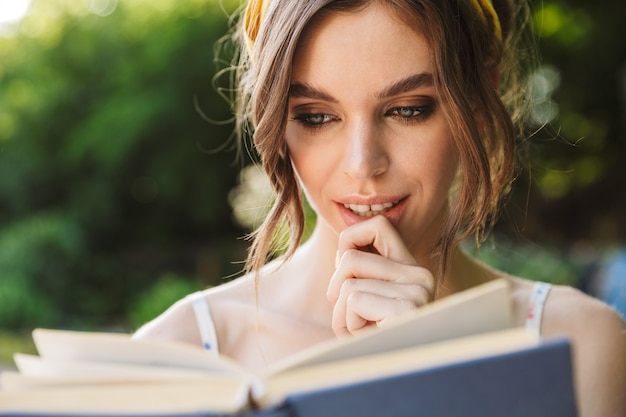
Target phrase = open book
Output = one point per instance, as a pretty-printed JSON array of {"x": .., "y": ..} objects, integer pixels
[{"x": 109, "y": 373}]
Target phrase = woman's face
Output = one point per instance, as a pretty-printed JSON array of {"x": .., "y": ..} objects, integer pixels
[{"x": 366, "y": 132}]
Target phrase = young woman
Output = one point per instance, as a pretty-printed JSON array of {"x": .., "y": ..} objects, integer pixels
[{"x": 397, "y": 119}]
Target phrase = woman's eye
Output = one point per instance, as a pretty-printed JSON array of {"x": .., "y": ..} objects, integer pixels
[
  {"x": 314, "y": 119},
  {"x": 410, "y": 113}
]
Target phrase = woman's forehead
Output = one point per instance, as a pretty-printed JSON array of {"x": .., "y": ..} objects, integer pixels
[{"x": 371, "y": 40}]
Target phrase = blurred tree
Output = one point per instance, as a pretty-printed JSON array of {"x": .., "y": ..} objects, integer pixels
[
  {"x": 575, "y": 188},
  {"x": 98, "y": 130}
]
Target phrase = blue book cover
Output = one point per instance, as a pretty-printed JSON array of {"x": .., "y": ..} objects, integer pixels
[{"x": 533, "y": 382}]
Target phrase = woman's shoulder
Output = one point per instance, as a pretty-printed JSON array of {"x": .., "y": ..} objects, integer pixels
[
  {"x": 175, "y": 323},
  {"x": 598, "y": 336},
  {"x": 178, "y": 322},
  {"x": 569, "y": 310},
  {"x": 597, "y": 331},
  {"x": 227, "y": 302}
]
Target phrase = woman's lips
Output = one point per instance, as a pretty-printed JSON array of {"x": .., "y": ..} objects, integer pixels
[{"x": 353, "y": 213}]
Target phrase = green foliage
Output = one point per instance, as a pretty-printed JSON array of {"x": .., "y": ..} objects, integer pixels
[
  {"x": 11, "y": 342},
  {"x": 105, "y": 180},
  {"x": 571, "y": 193},
  {"x": 34, "y": 255},
  {"x": 530, "y": 261}
]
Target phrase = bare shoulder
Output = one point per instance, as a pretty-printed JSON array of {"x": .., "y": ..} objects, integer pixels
[
  {"x": 570, "y": 312},
  {"x": 179, "y": 323},
  {"x": 573, "y": 312},
  {"x": 598, "y": 338},
  {"x": 173, "y": 324}
]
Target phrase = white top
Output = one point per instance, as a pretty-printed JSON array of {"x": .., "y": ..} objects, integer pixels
[
  {"x": 208, "y": 335},
  {"x": 535, "y": 306},
  {"x": 205, "y": 322}
]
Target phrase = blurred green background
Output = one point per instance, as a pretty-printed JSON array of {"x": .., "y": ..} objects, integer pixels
[{"x": 116, "y": 167}]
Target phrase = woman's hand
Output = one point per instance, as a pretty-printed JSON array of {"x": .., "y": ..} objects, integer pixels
[{"x": 376, "y": 279}]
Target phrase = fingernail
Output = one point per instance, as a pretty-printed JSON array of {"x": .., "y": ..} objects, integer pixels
[{"x": 337, "y": 259}]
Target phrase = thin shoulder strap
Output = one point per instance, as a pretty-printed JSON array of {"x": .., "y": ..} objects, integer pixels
[
  {"x": 206, "y": 327},
  {"x": 536, "y": 303}
]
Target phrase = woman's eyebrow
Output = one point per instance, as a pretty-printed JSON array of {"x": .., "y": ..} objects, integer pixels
[
  {"x": 405, "y": 85},
  {"x": 410, "y": 83},
  {"x": 299, "y": 90}
]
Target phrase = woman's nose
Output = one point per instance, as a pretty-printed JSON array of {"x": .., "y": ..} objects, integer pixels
[{"x": 365, "y": 155}]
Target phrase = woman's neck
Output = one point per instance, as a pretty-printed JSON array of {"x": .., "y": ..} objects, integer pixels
[{"x": 463, "y": 273}]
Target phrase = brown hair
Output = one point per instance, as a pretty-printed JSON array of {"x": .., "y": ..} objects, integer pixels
[{"x": 468, "y": 56}]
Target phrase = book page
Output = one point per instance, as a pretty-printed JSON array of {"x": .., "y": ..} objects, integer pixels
[
  {"x": 121, "y": 348},
  {"x": 35, "y": 366},
  {"x": 224, "y": 395}
]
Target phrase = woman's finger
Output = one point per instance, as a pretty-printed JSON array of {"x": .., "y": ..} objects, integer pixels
[
  {"x": 376, "y": 235},
  {"x": 364, "y": 265},
  {"x": 364, "y": 310},
  {"x": 351, "y": 311}
]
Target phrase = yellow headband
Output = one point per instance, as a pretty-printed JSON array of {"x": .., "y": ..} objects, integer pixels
[
  {"x": 487, "y": 12},
  {"x": 255, "y": 10}
]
